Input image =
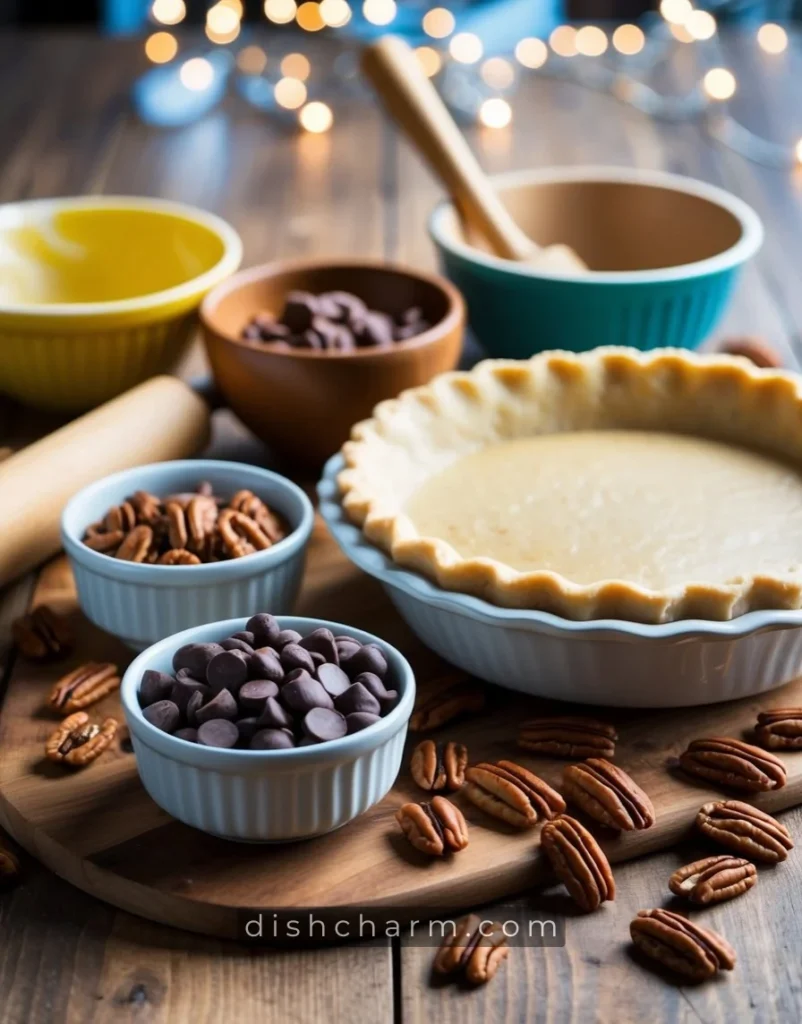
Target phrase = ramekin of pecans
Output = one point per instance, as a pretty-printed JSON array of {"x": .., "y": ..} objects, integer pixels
[
  {"x": 165, "y": 547},
  {"x": 223, "y": 750}
]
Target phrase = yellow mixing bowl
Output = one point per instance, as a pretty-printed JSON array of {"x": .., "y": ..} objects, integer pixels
[{"x": 100, "y": 293}]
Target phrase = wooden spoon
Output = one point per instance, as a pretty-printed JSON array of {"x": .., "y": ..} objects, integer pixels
[{"x": 413, "y": 102}]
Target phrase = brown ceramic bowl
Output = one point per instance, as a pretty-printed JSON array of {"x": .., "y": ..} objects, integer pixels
[{"x": 303, "y": 403}]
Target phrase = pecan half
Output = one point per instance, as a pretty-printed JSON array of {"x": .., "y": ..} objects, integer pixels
[
  {"x": 681, "y": 945},
  {"x": 77, "y": 741},
  {"x": 568, "y": 736},
  {"x": 475, "y": 948},
  {"x": 176, "y": 525},
  {"x": 578, "y": 861},
  {"x": 248, "y": 503},
  {"x": 780, "y": 729},
  {"x": 105, "y": 542},
  {"x": 201, "y": 515},
  {"x": 43, "y": 634},
  {"x": 85, "y": 685},
  {"x": 608, "y": 795},
  {"x": 455, "y": 694},
  {"x": 734, "y": 764},
  {"x": 120, "y": 517},
  {"x": 436, "y": 767},
  {"x": 713, "y": 879},
  {"x": 147, "y": 506},
  {"x": 179, "y": 556},
  {"x": 241, "y": 534},
  {"x": 136, "y": 545},
  {"x": 509, "y": 792},
  {"x": 435, "y": 828},
  {"x": 745, "y": 829},
  {"x": 9, "y": 866}
]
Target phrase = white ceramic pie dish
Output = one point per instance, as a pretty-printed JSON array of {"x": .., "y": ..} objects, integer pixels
[{"x": 601, "y": 661}]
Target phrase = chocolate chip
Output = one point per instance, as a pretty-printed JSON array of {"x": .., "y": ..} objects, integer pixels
[
  {"x": 346, "y": 648},
  {"x": 218, "y": 732},
  {"x": 369, "y": 658},
  {"x": 272, "y": 739},
  {"x": 351, "y": 307},
  {"x": 304, "y": 693},
  {"x": 357, "y": 698},
  {"x": 359, "y": 720},
  {"x": 323, "y": 724},
  {"x": 321, "y": 641},
  {"x": 195, "y": 658},
  {"x": 190, "y": 735},
  {"x": 245, "y": 635},
  {"x": 265, "y": 629},
  {"x": 222, "y": 705},
  {"x": 194, "y": 704},
  {"x": 184, "y": 673},
  {"x": 287, "y": 636},
  {"x": 248, "y": 727},
  {"x": 227, "y": 670},
  {"x": 183, "y": 690},
  {"x": 374, "y": 329},
  {"x": 299, "y": 309},
  {"x": 234, "y": 643},
  {"x": 317, "y": 658},
  {"x": 154, "y": 686},
  {"x": 294, "y": 656},
  {"x": 254, "y": 693},
  {"x": 274, "y": 716},
  {"x": 164, "y": 714},
  {"x": 265, "y": 664},
  {"x": 374, "y": 685},
  {"x": 334, "y": 680}
]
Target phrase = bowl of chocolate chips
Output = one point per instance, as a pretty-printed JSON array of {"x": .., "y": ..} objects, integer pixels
[
  {"x": 266, "y": 728},
  {"x": 302, "y": 350}
]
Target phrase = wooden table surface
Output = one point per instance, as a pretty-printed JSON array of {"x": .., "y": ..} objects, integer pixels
[{"x": 68, "y": 129}]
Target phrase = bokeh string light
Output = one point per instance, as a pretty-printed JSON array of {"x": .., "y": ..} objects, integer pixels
[
  {"x": 161, "y": 47},
  {"x": 168, "y": 12}
]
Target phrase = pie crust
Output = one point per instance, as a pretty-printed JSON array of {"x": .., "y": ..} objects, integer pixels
[{"x": 426, "y": 430}]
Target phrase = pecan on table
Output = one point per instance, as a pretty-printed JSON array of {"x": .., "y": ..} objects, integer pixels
[
  {"x": 608, "y": 795},
  {"x": 434, "y": 767},
  {"x": 512, "y": 794},
  {"x": 475, "y": 948},
  {"x": 713, "y": 879},
  {"x": 681, "y": 945},
  {"x": 456, "y": 694},
  {"x": 578, "y": 861},
  {"x": 745, "y": 829},
  {"x": 240, "y": 534},
  {"x": 85, "y": 685},
  {"x": 251, "y": 505},
  {"x": 734, "y": 764},
  {"x": 179, "y": 556},
  {"x": 568, "y": 736},
  {"x": 77, "y": 741},
  {"x": 435, "y": 828},
  {"x": 137, "y": 545},
  {"x": 756, "y": 350},
  {"x": 43, "y": 634},
  {"x": 9, "y": 866},
  {"x": 780, "y": 729}
]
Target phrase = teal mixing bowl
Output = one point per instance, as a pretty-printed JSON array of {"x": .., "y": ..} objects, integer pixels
[{"x": 664, "y": 253}]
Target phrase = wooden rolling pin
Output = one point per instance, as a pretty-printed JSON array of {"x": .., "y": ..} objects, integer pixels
[{"x": 158, "y": 420}]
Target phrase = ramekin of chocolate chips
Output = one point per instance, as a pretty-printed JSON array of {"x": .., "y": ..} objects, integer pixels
[
  {"x": 335, "y": 321},
  {"x": 295, "y": 725}
]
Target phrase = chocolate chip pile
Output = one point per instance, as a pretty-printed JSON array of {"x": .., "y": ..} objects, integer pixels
[
  {"x": 265, "y": 688},
  {"x": 187, "y": 528},
  {"x": 333, "y": 322}
]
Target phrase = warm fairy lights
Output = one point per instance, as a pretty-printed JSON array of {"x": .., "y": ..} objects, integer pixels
[
  {"x": 772, "y": 38},
  {"x": 591, "y": 41},
  {"x": 719, "y": 84},
  {"x": 295, "y": 65},
  {"x": 168, "y": 12},
  {"x": 316, "y": 117},
  {"x": 701, "y": 25},
  {"x": 563, "y": 41},
  {"x": 676, "y": 12},
  {"x": 629, "y": 39},
  {"x": 430, "y": 60},
  {"x": 798, "y": 152},
  {"x": 309, "y": 17},
  {"x": 280, "y": 12},
  {"x": 196, "y": 74},
  {"x": 497, "y": 72},
  {"x": 495, "y": 113},
  {"x": 531, "y": 52},
  {"x": 681, "y": 33},
  {"x": 222, "y": 24},
  {"x": 237, "y": 6},
  {"x": 251, "y": 60},
  {"x": 379, "y": 12},
  {"x": 466, "y": 48},
  {"x": 161, "y": 47},
  {"x": 335, "y": 13},
  {"x": 290, "y": 93},
  {"x": 438, "y": 23}
]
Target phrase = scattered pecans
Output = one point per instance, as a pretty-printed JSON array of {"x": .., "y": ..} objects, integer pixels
[
  {"x": 84, "y": 686},
  {"x": 780, "y": 729},
  {"x": 568, "y": 736},
  {"x": 43, "y": 634},
  {"x": 754, "y": 349},
  {"x": 681, "y": 945},
  {"x": 608, "y": 795},
  {"x": 436, "y": 767},
  {"x": 713, "y": 879},
  {"x": 9, "y": 866},
  {"x": 734, "y": 764},
  {"x": 512, "y": 794},
  {"x": 434, "y": 828},
  {"x": 186, "y": 529},
  {"x": 78, "y": 741},
  {"x": 456, "y": 694},
  {"x": 745, "y": 829},
  {"x": 578, "y": 861},
  {"x": 475, "y": 949}
]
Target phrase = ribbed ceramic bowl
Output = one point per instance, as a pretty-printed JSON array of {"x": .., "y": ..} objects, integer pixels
[
  {"x": 268, "y": 795},
  {"x": 665, "y": 251},
  {"x": 144, "y": 603},
  {"x": 604, "y": 661},
  {"x": 99, "y": 293}
]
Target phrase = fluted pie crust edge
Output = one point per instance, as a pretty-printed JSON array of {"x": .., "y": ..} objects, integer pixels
[{"x": 425, "y": 429}]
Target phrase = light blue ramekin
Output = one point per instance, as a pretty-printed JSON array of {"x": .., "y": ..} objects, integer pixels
[
  {"x": 516, "y": 311},
  {"x": 144, "y": 603}
]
